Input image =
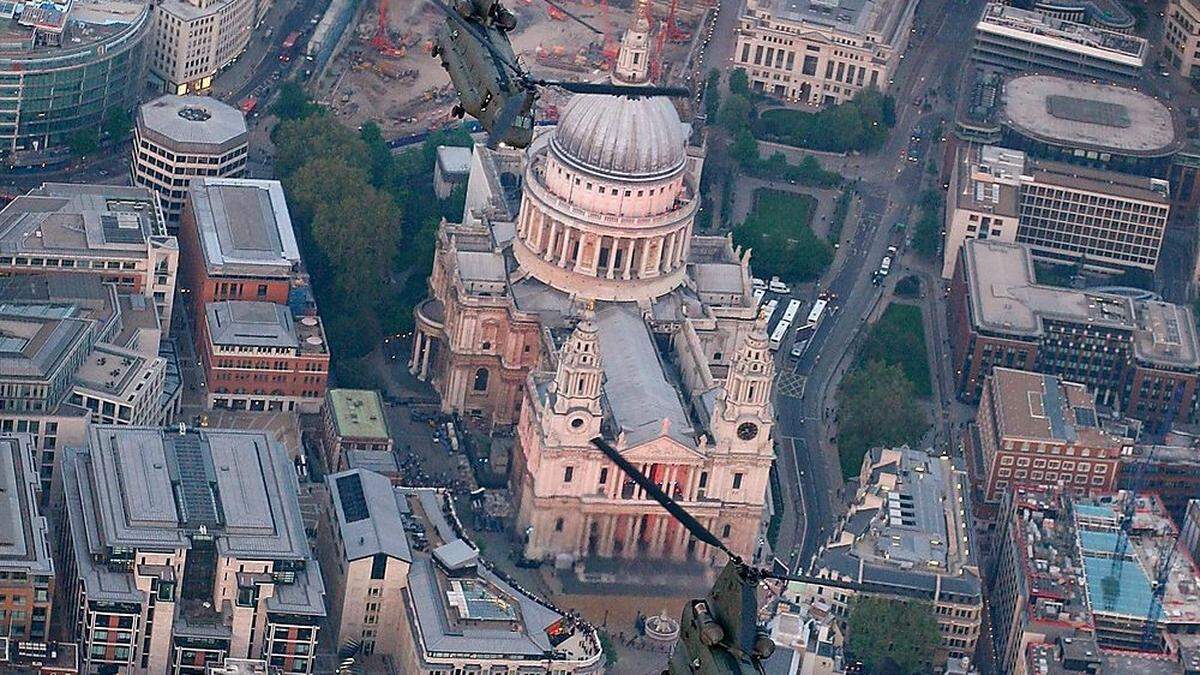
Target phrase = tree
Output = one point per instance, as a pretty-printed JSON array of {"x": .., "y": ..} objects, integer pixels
[
  {"x": 739, "y": 83},
  {"x": 83, "y": 142},
  {"x": 927, "y": 233},
  {"x": 712, "y": 96},
  {"x": 378, "y": 154},
  {"x": 117, "y": 122},
  {"x": 892, "y": 636},
  {"x": 744, "y": 149},
  {"x": 735, "y": 113},
  {"x": 298, "y": 141},
  {"x": 876, "y": 408},
  {"x": 293, "y": 103}
]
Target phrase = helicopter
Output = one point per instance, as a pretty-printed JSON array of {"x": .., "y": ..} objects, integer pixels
[
  {"x": 475, "y": 50},
  {"x": 720, "y": 633}
]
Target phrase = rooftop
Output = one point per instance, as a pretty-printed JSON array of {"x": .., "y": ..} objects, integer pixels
[
  {"x": 367, "y": 515},
  {"x": 151, "y": 489},
  {"x": 250, "y": 323},
  {"x": 880, "y": 19},
  {"x": 1084, "y": 114},
  {"x": 1035, "y": 407},
  {"x": 44, "y": 28},
  {"x": 1035, "y": 26},
  {"x": 71, "y": 219},
  {"x": 117, "y": 373},
  {"x": 907, "y": 527},
  {"x": 454, "y": 160},
  {"x": 24, "y": 533},
  {"x": 193, "y": 123},
  {"x": 244, "y": 227},
  {"x": 37, "y": 347},
  {"x": 358, "y": 413},
  {"x": 1006, "y": 299}
]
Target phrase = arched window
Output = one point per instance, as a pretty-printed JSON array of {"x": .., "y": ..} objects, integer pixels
[{"x": 481, "y": 380}]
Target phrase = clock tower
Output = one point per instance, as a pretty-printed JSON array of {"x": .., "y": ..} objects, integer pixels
[{"x": 743, "y": 417}]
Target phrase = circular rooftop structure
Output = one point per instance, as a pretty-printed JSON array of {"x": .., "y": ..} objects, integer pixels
[
  {"x": 1080, "y": 114},
  {"x": 621, "y": 137}
]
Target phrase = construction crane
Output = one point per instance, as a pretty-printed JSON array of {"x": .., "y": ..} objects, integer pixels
[
  {"x": 1162, "y": 576},
  {"x": 1112, "y": 582},
  {"x": 382, "y": 41},
  {"x": 674, "y": 32}
]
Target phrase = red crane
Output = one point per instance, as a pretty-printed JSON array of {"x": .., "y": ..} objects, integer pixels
[
  {"x": 382, "y": 41},
  {"x": 674, "y": 32}
]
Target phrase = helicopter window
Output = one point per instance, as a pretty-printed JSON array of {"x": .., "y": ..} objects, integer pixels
[
  {"x": 641, "y": 193},
  {"x": 627, "y": 192}
]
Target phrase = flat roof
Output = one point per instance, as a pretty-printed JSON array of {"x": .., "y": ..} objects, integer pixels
[
  {"x": 77, "y": 219},
  {"x": 367, "y": 515},
  {"x": 152, "y": 489},
  {"x": 1079, "y": 113},
  {"x": 1036, "y": 407},
  {"x": 858, "y": 17},
  {"x": 35, "y": 347},
  {"x": 193, "y": 123},
  {"x": 244, "y": 227},
  {"x": 454, "y": 159},
  {"x": 358, "y": 413},
  {"x": 1006, "y": 299},
  {"x": 24, "y": 532},
  {"x": 117, "y": 373},
  {"x": 250, "y": 323},
  {"x": 1038, "y": 27},
  {"x": 73, "y": 23}
]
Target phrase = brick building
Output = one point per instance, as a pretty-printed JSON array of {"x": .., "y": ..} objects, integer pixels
[
  {"x": 1138, "y": 355},
  {"x": 1035, "y": 429},
  {"x": 27, "y": 574},
  {"x": 354, "y": 422},
  {"x": 260, "y": 339}
]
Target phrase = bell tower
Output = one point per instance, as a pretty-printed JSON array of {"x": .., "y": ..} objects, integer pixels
[
  {"x": 744, "y": 416},
  {"x": 633, "y": 61},
  {"x": 575, "y": 393}
]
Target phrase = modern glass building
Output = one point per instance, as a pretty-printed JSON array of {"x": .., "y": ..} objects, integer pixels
[{"x": 63, "y": 70}]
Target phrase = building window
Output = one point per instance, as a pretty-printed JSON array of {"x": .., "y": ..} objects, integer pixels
[
  {"x": 725, "y": 531},
  {"x": 379, "y": 566},
  {"x": 569, "y": 474},
  {"x": 481, "y": 380},
  {"x": 603, "y": 475},
  {"x": 737, "y": 481},
  {"x": 558, "y": 525},
  {"x": 262, "y": 290}
]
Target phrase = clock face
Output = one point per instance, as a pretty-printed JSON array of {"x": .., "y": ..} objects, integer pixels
[{"x": 747, "y": 431}]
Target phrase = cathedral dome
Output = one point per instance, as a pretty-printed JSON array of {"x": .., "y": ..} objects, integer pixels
[{"x": 621, "y": 137}]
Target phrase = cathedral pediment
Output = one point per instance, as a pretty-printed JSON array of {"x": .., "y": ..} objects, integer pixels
[{"x": 662, "y": 450}]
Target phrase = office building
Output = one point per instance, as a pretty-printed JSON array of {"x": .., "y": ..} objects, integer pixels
[
  {"x": 1107, "y": 14},
  {"x": 177, "y": 138},
  {"x": 404, "y": 584},
  {"x": 907, "y": 533},
  {"x": 1067, "y": 214},
  {"x": 66, "y": 67},
  {"x": 1140, "y": 356},
  {"x": 115, "y": 233},
  {"x": 194, "y": 39},
  {"x": 819, "y": 52},
  {"x": 27, "y": 571},
  {"x": 1036, "y": 430},
  {"x": 1182, "y": 38},
  {"x": 1016, "y": 40},
  {"x": 183, "y": 548},
  {"x": 1061, "y": 574},
  {"x": 261, "y": 341},
  {"x": 354, "y": 422},
  {"x": 257, "y": 356}
]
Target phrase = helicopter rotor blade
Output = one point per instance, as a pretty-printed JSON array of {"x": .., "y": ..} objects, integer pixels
[
  {"x": 690, "y": 523},
  {"x": 567, "y": 13},
  {"x": 481, "y": 39},
  {"x": 631, "y": 91}
]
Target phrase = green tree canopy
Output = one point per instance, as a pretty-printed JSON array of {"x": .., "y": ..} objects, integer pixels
[
  {"x": 877, "y": 407},
  {"x": 927, "y": 233},
  {"x": 892, "y": 636},
  {"x": 739, "y": 83},
  {"x": 860, "y": 124},
  {"x": 744, "y": 149},
  {"x": 735, "y": 113},
  {"x": 293, "y": 103},
  {"x": 298, "y": 141},
  {"x": 778, "y": 231},
  {"x": 117, "y": 122},
  {"x": 83, "y": 142}
]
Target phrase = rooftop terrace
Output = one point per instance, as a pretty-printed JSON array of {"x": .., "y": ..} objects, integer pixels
[
  {"x": 358, "y": 413},
  {"x": 71, "y": 219}
]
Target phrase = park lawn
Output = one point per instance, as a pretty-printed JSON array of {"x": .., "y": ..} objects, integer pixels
[
  {"x": 898, "y": 338},
  {"x": 779, "y": 231}
]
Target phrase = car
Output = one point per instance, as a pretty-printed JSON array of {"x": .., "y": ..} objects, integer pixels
[
  {"x": 777, "y": 286},
  {"x": 798, "y": 349},
  {"x": 891, "y": 250}
]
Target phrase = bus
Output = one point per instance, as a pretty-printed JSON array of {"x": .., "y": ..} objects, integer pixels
[
  {"x": 768, "y": 311},
  {"x": 289, "y": 43},
  {"x": 789, "y": 314},
  {"x": 804, "y": 333},
  {"x": 779, "y": 333},
  {"x": 758, "y": 296}
]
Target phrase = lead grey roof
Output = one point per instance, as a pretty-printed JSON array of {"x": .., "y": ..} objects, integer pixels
[
  {"x": 244, "y": 227},
  {"x": 23, "y": 531},
  {"x": 621, "y": 137},
  {"x": 251, "y": 323},
  {"x": 383, "y": 530},
  {"x": 636, "y": 388},
  {"x": 453, "y": 159}
]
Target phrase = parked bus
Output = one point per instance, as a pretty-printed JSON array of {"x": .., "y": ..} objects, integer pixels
[
  {"x": 779, "y": 333},
  {"x": 789, "y": 314},
  {"x": 805, "y": 332},
  {"x": 768, "y": 311},
  {"x": 289, "y": 43},
  {"x": 758, "y": 296}
]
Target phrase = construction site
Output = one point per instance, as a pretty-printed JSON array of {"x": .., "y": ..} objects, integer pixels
[
  {"x": 1105, "y": 571},
  {"x": 382, "y": 69}
]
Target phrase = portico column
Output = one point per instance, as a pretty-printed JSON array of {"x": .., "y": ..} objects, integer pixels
[
  {"x": 566, "y": 246},
  {"x": 658, "y": 254},
  {"x": 597, "y": 240},
  {"x": 670, "y": 257},
  {"x": 425, "y": 359},
  {"x": 629, "y": 258},
  {"x": 416, "y": 350}
]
